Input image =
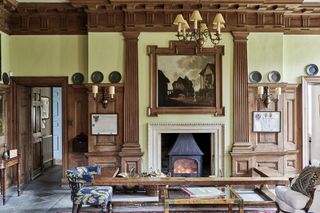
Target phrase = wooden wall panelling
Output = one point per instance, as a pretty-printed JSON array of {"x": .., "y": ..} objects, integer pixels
[
  {"x": 265, "y": 141},
  {"x": 77, "y": 122},
  {"x": 104, "y": 150},
  {"x": 279, "y": 151},
  {"x": 272, "y": 161},
  {"x": 241, "y": 164}
]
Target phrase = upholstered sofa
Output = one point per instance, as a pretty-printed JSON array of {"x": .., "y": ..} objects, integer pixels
[{"x": 288, "y": 199}]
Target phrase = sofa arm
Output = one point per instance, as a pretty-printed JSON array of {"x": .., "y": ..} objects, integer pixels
[{"x": 315, "y": 205}]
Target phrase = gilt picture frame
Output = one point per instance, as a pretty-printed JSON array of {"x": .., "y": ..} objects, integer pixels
[{"x": 185, "y": 78}]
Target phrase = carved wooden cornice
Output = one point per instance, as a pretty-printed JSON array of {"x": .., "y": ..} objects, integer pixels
[
  {"x": 81, "y": 16},
  {"x": 4, "y": 19}
]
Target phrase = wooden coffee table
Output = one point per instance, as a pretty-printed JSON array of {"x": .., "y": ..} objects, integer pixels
[{"x": 175, "y": 196}]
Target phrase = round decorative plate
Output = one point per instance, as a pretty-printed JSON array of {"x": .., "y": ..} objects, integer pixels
[
  {"x": 115, "y": 77},
  {"x": 274, "y": 76},
  {"x": 312, "y": 69},
  {"x": 77, "y": 78},
  {"x": 97, "y": 77},
  {"x": 255, "y": 77},
  {"x": 5, "y": 78}
]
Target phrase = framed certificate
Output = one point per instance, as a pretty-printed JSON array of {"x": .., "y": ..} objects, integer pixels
[
  {"x": 266, "y": 121},
  {"x": 104, "y": 124}
]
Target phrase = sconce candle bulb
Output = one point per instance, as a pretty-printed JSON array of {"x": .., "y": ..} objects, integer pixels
[
  {"x": 112, "y": 91},
  {"x": 94, "y": 91}
]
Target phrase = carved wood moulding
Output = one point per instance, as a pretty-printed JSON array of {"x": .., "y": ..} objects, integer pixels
[{"x": 81, "y": 16}]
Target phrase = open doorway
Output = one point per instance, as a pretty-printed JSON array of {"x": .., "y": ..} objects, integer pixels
[
  {"x": 46, "y": 123},
  {"x": 311, "y": 120},
  {"x": 39, "y": 123}
]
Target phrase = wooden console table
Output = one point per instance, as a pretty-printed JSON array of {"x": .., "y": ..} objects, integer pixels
[
  {"x": 196, "y": 181},
  {"x": 4, "y": 165}
]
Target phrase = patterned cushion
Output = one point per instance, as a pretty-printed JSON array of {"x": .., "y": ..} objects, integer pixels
[
  {"x": 95, "y": 195},
  {"x": 307, "y": 180},
  {"x": 82, "y": 174}
]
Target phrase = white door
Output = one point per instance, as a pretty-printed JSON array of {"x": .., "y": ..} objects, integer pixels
[
  {"x": 314, "y": 122},
  {"x": 57, "y": 122}
]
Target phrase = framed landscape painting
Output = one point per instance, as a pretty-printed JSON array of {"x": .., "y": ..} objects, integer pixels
[{"x": 185, "y": 79}]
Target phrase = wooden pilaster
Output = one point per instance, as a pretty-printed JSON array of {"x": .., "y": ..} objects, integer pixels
[
  {"x": 131, "y": 152},
  {"x": 240, "y": 96},
  {"x": 240, "y": 102}
]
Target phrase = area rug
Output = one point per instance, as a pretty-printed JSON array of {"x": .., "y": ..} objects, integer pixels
[{"x": 213, "y": 211}]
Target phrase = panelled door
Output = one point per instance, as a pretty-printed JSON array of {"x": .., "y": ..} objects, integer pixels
[
  {"x": 23, "y": 101},
  {"x": 36, "y": 142}
]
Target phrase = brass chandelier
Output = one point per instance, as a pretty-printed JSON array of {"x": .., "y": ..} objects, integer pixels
[{"x": 199, "y": 34}]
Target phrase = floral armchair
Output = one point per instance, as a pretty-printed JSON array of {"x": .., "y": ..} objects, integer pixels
[{"x": 82, "y": 193}]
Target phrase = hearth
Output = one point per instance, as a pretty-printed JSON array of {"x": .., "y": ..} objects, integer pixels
[
  {"x": 209, "y": 137},
  {"x": 185, "y": 157}
]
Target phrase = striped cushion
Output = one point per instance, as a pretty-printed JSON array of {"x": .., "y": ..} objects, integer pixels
[{"x": 307, "y": 180}]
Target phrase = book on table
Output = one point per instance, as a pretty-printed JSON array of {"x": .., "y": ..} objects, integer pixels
[{"x": 203, "y": 192}]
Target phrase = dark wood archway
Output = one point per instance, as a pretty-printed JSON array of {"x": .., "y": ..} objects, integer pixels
[{"x": 18, "y": 82}]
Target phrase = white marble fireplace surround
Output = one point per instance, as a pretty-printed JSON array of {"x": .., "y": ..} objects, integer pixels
[{"x": 217, "y": 142}]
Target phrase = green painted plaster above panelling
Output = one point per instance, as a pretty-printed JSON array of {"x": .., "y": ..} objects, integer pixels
[
  {"x": 265, "y": 53},
  {"x": 299, "y": 51},
  {"x": 5, "y": 53},
  {"x": 162, "y": 40},
  {"x": 106, "y": 53},
  {"x": 52, "y": 55}
]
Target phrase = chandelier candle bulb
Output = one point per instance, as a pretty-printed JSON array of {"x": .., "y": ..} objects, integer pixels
[
  {"x": 196, "y": 17},
  {"x": 179, "y": 20},
  {"x": 200, "y": 36}
]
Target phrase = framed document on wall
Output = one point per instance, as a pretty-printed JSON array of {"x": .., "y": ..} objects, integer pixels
[
  {"x": 104, "y": 124},
  {"x": 266, "y": 121}
]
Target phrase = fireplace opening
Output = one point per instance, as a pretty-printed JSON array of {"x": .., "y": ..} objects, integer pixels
[{"x": 183, "y": 165}]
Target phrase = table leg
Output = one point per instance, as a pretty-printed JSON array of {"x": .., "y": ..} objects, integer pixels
[
  {"x": 1, "y": 181},
  {"x": 230, "y": 208},
  {"x": 166, "y": 207},
  {"x": 241, "y": 206},
  {"x": 18, "y": 179},
  {"x": 3, "y": 184}
]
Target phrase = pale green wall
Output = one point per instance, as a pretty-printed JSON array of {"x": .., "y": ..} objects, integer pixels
[
  {"x": 5, "y": 53},
  {"x": 299, "y": 51},
  {"x": 52, "y": 55},
  {"x": 162, "y": 40},
  {"x": 105, "y": 53},
  {"x": 288, "y": 54},
  {"x": 265, "y": 53}
]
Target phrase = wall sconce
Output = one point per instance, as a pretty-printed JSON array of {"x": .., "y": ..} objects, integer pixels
[
  {"x": 106, "y": 96},
  {"x": 266, "y": 97}
]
